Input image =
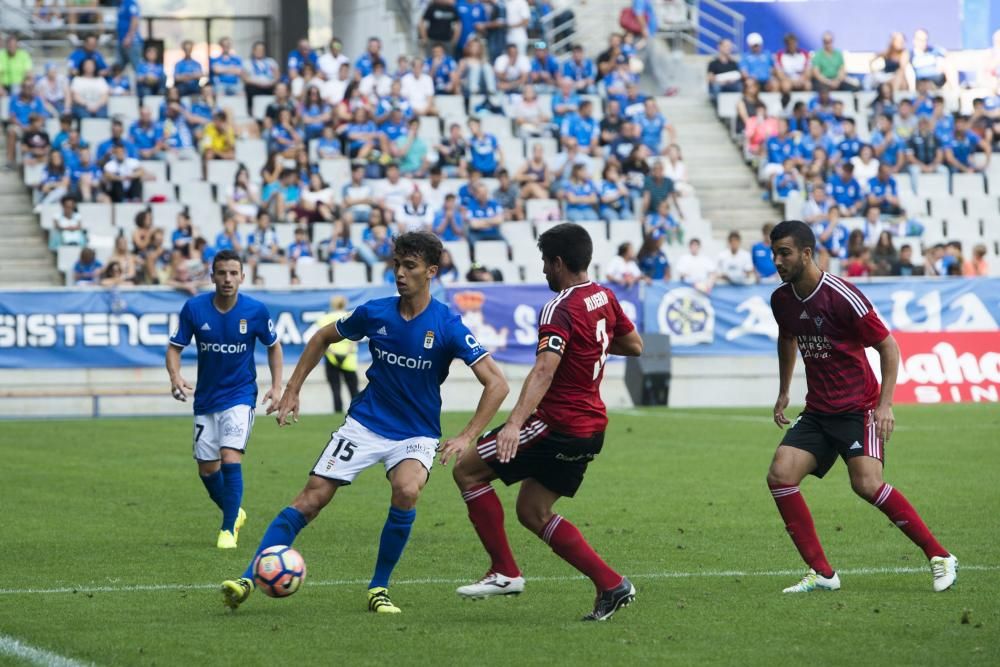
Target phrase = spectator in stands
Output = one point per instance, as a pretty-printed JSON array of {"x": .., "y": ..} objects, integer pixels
[
  {"x": 582, "y": 126},
  {"x": 652, "y": 260},
  {"x": 889, "y": 148},
  {"x": 846, "y": 191},
  {"x": 960, "y": 147},
  {"x": 512, "y": 69},
  {"x": 150, "y": 78},
  {"x": 300, "y": 251},
  {"x": 884, "y": 102},
  {"x": 652, "y": 123},
  {"x": 125, "y": 259},
  {"x": 484, "y": 217},
  {"x": 316, "y": 202},
  {"x": 35, "y": 142},
  {"x": 859, "y": 264},
  {"x": 89, "y": 92},
  {"x": 88, "y": 49},
  {"x": 924, "y": 152},
  {"x": 263, "y": 246},
  {"x": 478, "y": 273},
  {"x": 315, "y": 114},
  {"x": 282, "y": 101},
  {"x": 815, "y": 208},
  {"x": 129, "y": 39},
  {"x": 580, "y": 196},
  {"x": 792, "y": 70},
  {"x": 188, "y": 72},
  {"x": 358, "y": 196},
  {"x": 927, "y": 61},
  {"x": 865, "y": 165},
  {"x": 226, "y": 69},
  {"x": 758, "y": 64},
  {"x": 833, "y": 238},
  {"x": 675, "y": 169},
  {"x": 440, "y": 24},
  {"x": 68, "y": 225},
  {"x": 142, "y": 232},
  {"x": 544, "y": 69},
  {"x": 872, "y": 226},
  {"x": 392, "y": 193},
  {"x": 661, "y": 222},
  {"x": 229, "y": 238},
  {"x": 66, "y": 122},
  {"x": 300, "y": 56},
  {"x": 183, "y": 234},
  {"x": 147, "y": 136},
  {"x": 903, "y": 266},
  {"x": 219, "y": 140},
  {"x": 724, "y": 74},
  {"x": 747, "y": 106},
  {"x": 735, "y": 263},
  {"x": 883, "y": 192},
  {"x": 849, "y": 145},
  {"x": 484, "y": 150},
  {"x": 774, "y": 151},
  {"x": 889, "y": 66},
  {"x": 376, "y": 83},
  {"x": 762, "y": 257},
  {"x": 87, "y": 269},
  {"x": 177, "y": 134},
  {"x": 156, "y": 260},
  {"x": 417, "y": 87},
  {"x": 261, "y": 75},
  {"x": 562, "y": 163},
  {"x": 607, "y": 60},
  {"x": 530, "y": 117},
  {"x": 534, "y": 176},
  {"x": 119, "y": 82},
  {"x": 414, "y": 215},
  {"x": 443, "y": 70},
  {"x": 580, "y": 70},
  {"x": 758, "y": 130},
  {"x": 884, "y": 255},
  {"x": 610, "y": 127},
  {"x": 123, "y": 176},
  {"x": 449, "y": 224},
  {"x": 334, "y": 89},
  {"x": 447, "y": 271},
  {"x": 828, "y": 70},
  {"x": 905, "y": 122},
  {"x": 55, "y": 179},
  {"x": 615, "y": 199},
  {"x": 508, "y": 194},
  {"x": 623, "y": 270},
  {"x": 787, "y": 181},
  {"x": 283, "y": 137},
  {"x": 980, "y": 266},
  {"x": 411, "y": 151},
  {"x": 53, "y": 89},
  {"x": 117, "y": 137},
  {"x": 494, "y": 28},
  {"x": 363, "y": 136},
  {"x": 15, "y": 66},
  {"x": 477, "y": 77},
  {"x": 696, "y": 269}
]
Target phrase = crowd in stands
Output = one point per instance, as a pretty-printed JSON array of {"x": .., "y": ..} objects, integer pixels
[{"x": 856, "y": 170}]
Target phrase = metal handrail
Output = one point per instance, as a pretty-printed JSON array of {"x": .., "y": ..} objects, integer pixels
[{"x": 549, "y": 31}]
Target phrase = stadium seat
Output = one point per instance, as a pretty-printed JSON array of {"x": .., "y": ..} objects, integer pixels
[
  {"x": 460, "y": 255},
  {"x": 124, "y": 215},
  {"x": 967, "y": 96},
  {"x": 513, "y": 154},
  {"x": 321, "y": 231},
  {"x": 196, "y": 193},
  {"x": 847, "y": 98},
  {"x": 542, "y": 209},
  {"x": 66, "y": 257},
  {"x": 124, "y": 107},
  {"x": 159, "y": 190},
  {"x": 253, "y": 154},
  {"x": 520, "y": 236},
  {"x": 490, "y": 253},
  {"x": 313, "y": 274},
  {"x": 47, "y": 214},
  {"x": 165, "y": 216},
  {"x": 185, "y": 171},
  {"x": 624, "y": 230},
  {"x": 933, "y": 231},
  {"x": 260, "y": 104},
  {"x": 450, "y": 106},
  {"x": 96, "y": 215},
  {"x": 497, "y": 125},
  {"x": 95, "y": 130},
  {"x": 33, "y": 174},
  {"x": 430, "y": 129},
  {"x": 511, "y": 271},
  {"x": 153, "y": 102},
  {"x": 206, "y": 216},
  {"x": 155, "y": 168},
  {"x": 864, "y": 100},
  {"x": 725, "y": 104},
  {"x": 286, "y": 234},
  {"x": 793, "y": 206},
  {"x": 350, "y": 274},
  {"x": 773, "y": 103},
  {"x": 803, "y": 96},
  {"x": 932, "y": 185},
  {"x": 335, "y": 172},
  {"x": 968, "y": 186},
  {"x": 4, "y": 108},
  {"x": 236, "y": 104},
  {"x": 274, "y": 275},
  {"x": 357, "y": 231},
  {"x": 984, "y": 208},
  {"x": 945, "y": 206},
  {"x": 549, "y": 147},
  {"x": 963, "y": 229},
  {"x": 532, "y": 270},
  {"x": 222, "y": 172}
]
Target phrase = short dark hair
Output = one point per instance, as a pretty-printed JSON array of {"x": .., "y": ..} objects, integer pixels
[
  {"x": 801, "y": 234},
  {"x": 424, "y": 245},
  {"x": 569, "y": 241},
  {"x": 226, "y": 255}
]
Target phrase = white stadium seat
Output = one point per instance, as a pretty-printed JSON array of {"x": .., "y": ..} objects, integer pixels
[
  {"x": 155, "y": 168},
  {"x": 968, "y": 186},
  {"x": 490, "y": 253},
  {"x": 253, "y": 154},
  {"x": 222, "y": 172},
  {"x": 274, "y": 275},
  {"x": 195, "y": 193},
  {"x": 260, "y": 104},
  {"x": 124, "y": 214},
  {"x": 159, "y": 190},
  {"x": 350, "y": 274},
  {"x": 313, "y": 274},
  {"x": 95, "y": 130},
  {"x": 725, "y": 104},
  {"x": 335, "y": 173},
  {"x": 460, "y": 256},
  {"x": 932, "y": 185},
  {"x": 963, "y": 229},
  {"x": 124, "y": 107},
  {"x": 165, "y": 216},
  {"x": 542, "y": 209}
]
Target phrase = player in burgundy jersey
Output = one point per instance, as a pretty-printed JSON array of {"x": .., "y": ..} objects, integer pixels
[
  {"x": 831, "y": 323},
  {"x": 556, "y": 428}
]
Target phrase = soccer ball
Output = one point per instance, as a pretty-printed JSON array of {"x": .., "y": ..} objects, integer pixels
[{"x": 279, "y": 571}]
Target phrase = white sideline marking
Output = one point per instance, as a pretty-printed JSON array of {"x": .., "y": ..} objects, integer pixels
[
  {"x": 36, "y": 656},
  {"x": 138, "y": 588}
]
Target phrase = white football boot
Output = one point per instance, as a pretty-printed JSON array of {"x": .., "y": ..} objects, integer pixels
[
  {"x": 492, "y": 584},
  {"x": 945, "y": 571},
  {"x": 814, "y": 581}
]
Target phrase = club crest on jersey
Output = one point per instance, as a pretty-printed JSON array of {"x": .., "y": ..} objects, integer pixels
[
  {"x": 818, "y": 321},
  {"x": 243, "y": 326},
  {"x": 428, "y": 340}
]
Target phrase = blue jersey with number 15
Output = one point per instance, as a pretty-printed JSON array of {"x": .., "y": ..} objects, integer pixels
[
  {"x": 227, "y": 375},
  {"x": 410, "y": 361}
]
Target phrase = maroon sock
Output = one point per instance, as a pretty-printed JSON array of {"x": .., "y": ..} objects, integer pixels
[
  {"x": 569, "y": 544},
  {"x": 486, "y": 514},
  {"x": 799, "y": 524},
  {"x": 899, "y": 510}
]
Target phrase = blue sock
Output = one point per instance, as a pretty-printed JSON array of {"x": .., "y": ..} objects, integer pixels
[
  {"x": 213, "y": 484},
  {"x": 232, "y": 477},
  {"x": 395, "y": 533},
  {"x": 282, "y": 530}
]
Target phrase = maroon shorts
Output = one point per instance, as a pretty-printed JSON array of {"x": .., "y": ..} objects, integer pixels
[{"x": 557, "y": 460}]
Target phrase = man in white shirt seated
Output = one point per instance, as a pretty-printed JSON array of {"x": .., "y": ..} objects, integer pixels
[
  {"x": 330, "y": 62},
  {"x": 415, "y": 215},
  {"x": 392, "y": 193},
  {"x": 512, "y": 68},
  {"x": 695, "y": 269},
  {"x": 332, "y": 90},
  {"x": 418, "y": 89},
  {"x": 735, "y": 263},
  {"x": 122, "y": 176}
]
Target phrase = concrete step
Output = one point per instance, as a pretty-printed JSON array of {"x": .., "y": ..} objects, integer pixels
[
  {"x": 33, "y": 277},
  {"x": 33, "y": 252}
]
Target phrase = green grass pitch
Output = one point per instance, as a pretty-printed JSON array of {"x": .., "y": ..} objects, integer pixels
[{"x": 109, "y": 553}]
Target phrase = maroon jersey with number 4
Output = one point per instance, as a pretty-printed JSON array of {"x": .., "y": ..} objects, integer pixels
[
  {"x": 832, "y": 327},
  {"x": 579, "y": 325}
]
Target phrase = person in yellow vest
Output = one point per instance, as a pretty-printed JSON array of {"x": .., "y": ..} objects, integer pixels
[{"x": 341, "y": 358}]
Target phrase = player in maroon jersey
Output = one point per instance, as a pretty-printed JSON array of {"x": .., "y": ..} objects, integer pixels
[
  {"x": 556, "y": 428},
  {"x": 831, "y": 323}
]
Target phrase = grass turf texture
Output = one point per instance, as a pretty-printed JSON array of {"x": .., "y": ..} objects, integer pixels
[{"x": 111, "y": 503}]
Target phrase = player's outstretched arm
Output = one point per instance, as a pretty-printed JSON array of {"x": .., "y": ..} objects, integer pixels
[
  {"x": 888, "y": 353},
  {"x": 179, "y": 387},
  {"x": 629, "y": 345},
  {"x": 786, "y": 364},
  {"x": 311, "y": 355},
  {"x": 535, "y": 385},
  {"x": 276, "y": 364},
  {"x": 495, "y": 390}
]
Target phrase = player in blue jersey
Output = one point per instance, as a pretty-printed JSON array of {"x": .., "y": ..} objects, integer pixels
[
  {"x": 396, "y": 420},
  {"x": 226, "y": 326}
]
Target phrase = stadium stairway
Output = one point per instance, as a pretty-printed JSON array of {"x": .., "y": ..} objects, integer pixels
[{"x": 25, "y": 259}]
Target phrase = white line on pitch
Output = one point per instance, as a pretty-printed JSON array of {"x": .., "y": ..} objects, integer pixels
[
  {"x": 36, "y": 656},
  {"x": 136, "y": 588}
]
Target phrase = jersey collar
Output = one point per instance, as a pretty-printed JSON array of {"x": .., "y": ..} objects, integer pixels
[{"x": 822, "y": 279}]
